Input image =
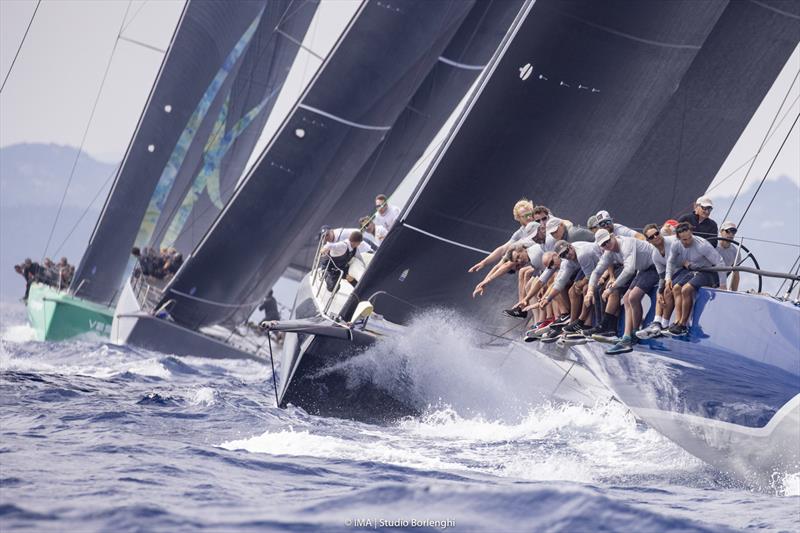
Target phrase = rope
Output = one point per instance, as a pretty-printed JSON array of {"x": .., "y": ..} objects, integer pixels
[
  {"x": 86, "y": 210},
  {"x": 763, "y": 142},
  {"x": 768, "y": 170},
  {"x": 86, "y": 130},
  {"x": 19, "y": 48}
]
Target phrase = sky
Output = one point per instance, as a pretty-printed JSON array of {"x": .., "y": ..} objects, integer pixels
[{"x": 50, "y": 93}]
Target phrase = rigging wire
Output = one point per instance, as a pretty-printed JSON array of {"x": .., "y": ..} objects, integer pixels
[
  {"x": 788, "y": 134},
  {"x": 786, "y": 279},
  {"x": 86, "y": 210},
  {"x": 134, "y": 16},
  {"x": 19, "y": 48},
  {"x": 86, "y": 130},
  {"x": 771, "y": 135},
  {"x": 760, "y": 148}
]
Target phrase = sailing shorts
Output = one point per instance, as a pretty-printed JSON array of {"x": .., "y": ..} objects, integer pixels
[
  {"x": 695, "y": 279},
  {"x": 623, "y": 289},
  {"x": 646, "y": 279}
]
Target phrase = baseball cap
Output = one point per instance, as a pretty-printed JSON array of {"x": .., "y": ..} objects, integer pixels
[
  {"x": 603, "y": 216},
  {"x": 672, "y": 222},
  {"x": 532, "y": 228},
  {"x": 601, "y": 237},
  {"x": 704, "y": 201},
  {"x": 592, "y": 222},
  {"x": 728, "y": 224},
  {"x": 560, "y": 247},
  {"x": 552, "y": 224}
]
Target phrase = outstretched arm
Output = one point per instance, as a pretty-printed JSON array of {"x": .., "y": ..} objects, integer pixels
[
  {"x": 496, "y": 272},
  {"x": 491, "y": 258}
]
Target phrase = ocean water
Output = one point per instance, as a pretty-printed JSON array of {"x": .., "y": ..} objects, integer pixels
[{"x": 96, "y": 437}]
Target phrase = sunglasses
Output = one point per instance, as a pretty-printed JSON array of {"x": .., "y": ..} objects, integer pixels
[
  {"x": 706, "y": 207},
  {"x": 542, "y": 219},
  {"x": 563, "y": 254},
  {"x": 526, "y": 215},
  {"x": 605, "y": 243},
  {"x": 653, "y": 236},
  {"x": 732, "y": 231}
]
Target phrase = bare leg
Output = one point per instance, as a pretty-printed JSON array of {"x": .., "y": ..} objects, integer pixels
[
  {"x": 634, "y": 308},
  {"x": 687, "y": 302},
  {"x": 524, "y": 274},
  {"x": 669, "y": 305},
  {"x": 677, "y": 299}
]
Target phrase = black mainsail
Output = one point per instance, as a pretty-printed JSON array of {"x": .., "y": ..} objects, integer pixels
[
  {"x": 454, "y": 73},
  {"x": 347, "y": 110},
  {"x": 581, "y": 97},
  {"x": 209, "y": 98}
]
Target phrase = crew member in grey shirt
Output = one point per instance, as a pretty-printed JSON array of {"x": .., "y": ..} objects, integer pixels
[
  {"x": 638, "y": 273},
  {"x": 661, "y": 245},
  {"x": 729, "y": 253},
  {"x": 604, "y": 221},
  {"x": 558, "y": 229},
  {"x": 576, "y": 262},
  {"x": 683, "y": 280}
]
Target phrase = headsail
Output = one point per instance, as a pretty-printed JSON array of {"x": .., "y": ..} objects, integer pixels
[
  {"x": 344, "y": 114},
  {"x": 566, "y": 111},
  {"x": 180, "y": 130}
]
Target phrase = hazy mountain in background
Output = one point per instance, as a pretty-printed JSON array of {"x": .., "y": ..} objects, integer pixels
[
  {"x": 33, "y": 178},
  {"x": 32, "y": 181}
]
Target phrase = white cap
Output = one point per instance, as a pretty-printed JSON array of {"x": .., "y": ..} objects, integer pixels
[
  {"x": 728, "y": 224},
  {"x": 532, "y": 228},
  {"x": 704, "y": 201},
  {"x": 552, "y": 224},
  {"x": 602, "y": 216},
  {"x": 601, "y": 237}
]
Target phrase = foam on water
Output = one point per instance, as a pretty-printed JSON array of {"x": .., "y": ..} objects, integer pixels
[
  {"x": 441, "y": 360},
  {"x": 204, "y": 396},
  {"x": 133, "y": 439},
  {"x": 18, "y": 333},
  {"x": 553, "y": 442}
]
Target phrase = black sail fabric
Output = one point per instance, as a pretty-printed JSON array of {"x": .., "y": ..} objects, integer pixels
[
  {"x": 705, "y": 117},
  {"x": 238, "y": 120},
  {"x": 345, "y": 113},
  {"x": 560, "y": 117},
  {"x": 203, "y": 59},
  {"x": 458, "y": 67}
]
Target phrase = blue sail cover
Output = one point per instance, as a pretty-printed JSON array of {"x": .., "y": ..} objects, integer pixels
[
  {"x": 206, "y": 100},
  {"x": 454, "y": 73},
  {"x": 348, "y": 109},
  {"x": 579, "y": 99}
]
